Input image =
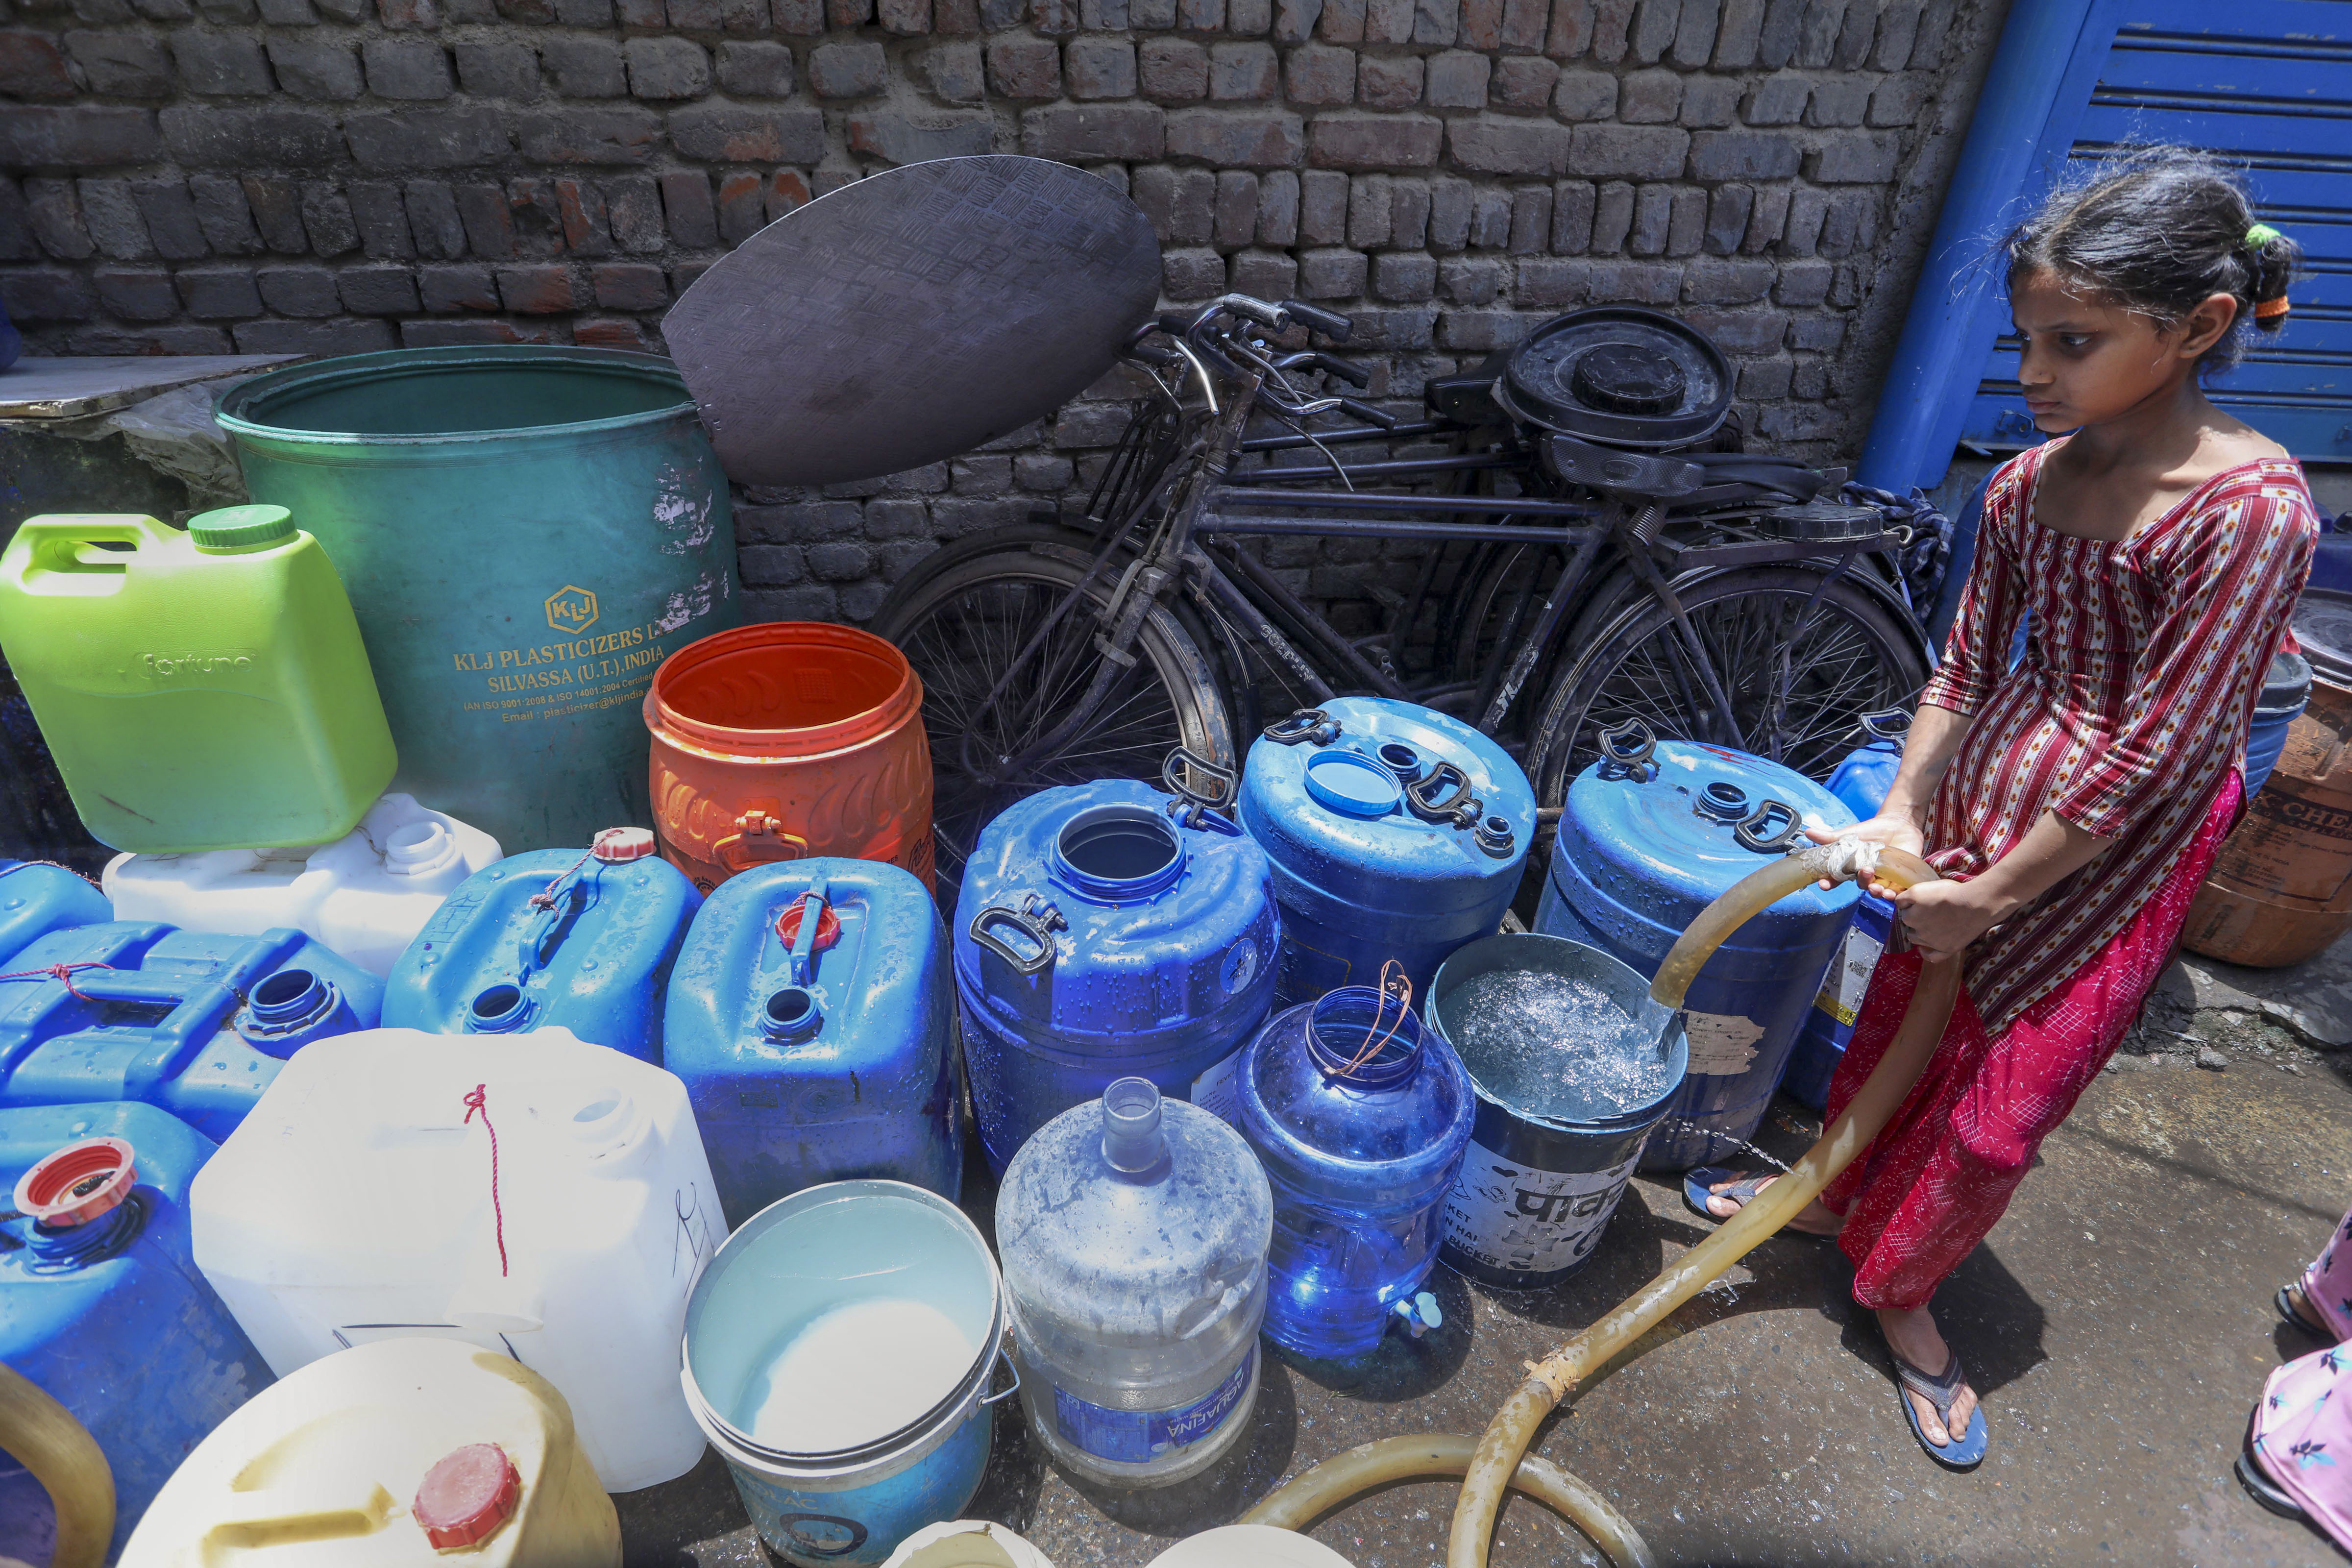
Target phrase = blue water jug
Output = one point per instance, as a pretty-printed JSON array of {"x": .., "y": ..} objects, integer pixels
[
  {"x": 1863, "y": 780},
  {"x": 191, "y": 1021},
  {"x": 36, "y": 898},
  {"x": 1107, "y": 930},
  {"x": 1395, "y": 833},
  {"x": 1361, "y": 1121},
  {"x": 812, "y": 1018},
  {"x": 558, "y": 939},
  {"x": 1649, "y": 837},
  {"x": 1828, "y": 1022},
  {"x": 108, "y": 1315},
  {"x": 2287, "y": 690}
]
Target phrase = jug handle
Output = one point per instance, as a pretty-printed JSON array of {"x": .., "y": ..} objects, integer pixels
[
  {"x": 756, "y": 829},
  {"x": 1894, "y": 724},
  {"x": 296, "y": 1514},
  {"x": 547, "y": 932},
  {"x": 1037, "y": 922},
  {"x": 1191, "y": 807},
  {"x": 802, "y": 958},
  {"x": 1461, "y": 808},
  {"x": 1628, "y": 743},
  {"x": 55, "y": 542},
  {"x": 1751, "y": 831},
  {"x": 1006, "y": 1361},
  {"x": 1307, "y": 724}
]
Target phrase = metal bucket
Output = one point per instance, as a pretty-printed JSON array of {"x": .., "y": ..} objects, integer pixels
[
  {"x": 881, "y": 1449},
  {"x": 1548, "y": 1158},
  {"x": 526, "y": 533}
]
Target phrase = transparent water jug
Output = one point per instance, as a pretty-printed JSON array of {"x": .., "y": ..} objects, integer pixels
[
  {"x": 1133, "y": 1233},
  {"x": 1361, "y": 1121},
  {"x": 363, "y": 897}
]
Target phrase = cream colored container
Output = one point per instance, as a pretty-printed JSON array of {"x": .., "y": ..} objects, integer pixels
[{"x": 393, "y": 1452}]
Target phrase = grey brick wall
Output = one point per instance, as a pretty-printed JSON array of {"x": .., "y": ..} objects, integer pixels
[{"x": 198, "y": 176}]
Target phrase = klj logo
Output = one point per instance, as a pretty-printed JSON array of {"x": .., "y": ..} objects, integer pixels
[{"x": 571, "y": 609}]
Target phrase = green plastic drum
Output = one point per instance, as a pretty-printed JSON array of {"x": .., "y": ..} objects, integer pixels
[{"x": 525, "y": 532}]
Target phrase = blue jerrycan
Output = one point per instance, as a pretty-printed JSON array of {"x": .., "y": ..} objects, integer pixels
[
  {"x": 1863, "y": 780},
  {"x": 1396, "y": 833},
  {"x": 101, "y": 1305},
  {"x": 1828, "y": 1022},
  {"x": 190, "y": 1021},
  {"x": 1108, "y": 931},
  {"x": 812, "y": 1019},
  {"x": 1649, "y": 837},
  {"x": 36, "y": 898},
  {"x": 558, "y": 939}
]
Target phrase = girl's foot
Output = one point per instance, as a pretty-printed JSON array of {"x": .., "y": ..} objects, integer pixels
[
  {"x": 2295, "y": 1307},
  {"x": 1811, "y": 1220},
  {"x": 1912, "y": 1336}
]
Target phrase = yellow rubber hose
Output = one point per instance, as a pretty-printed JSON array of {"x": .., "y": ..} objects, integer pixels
[
  {"x": 1499, "y": 1457},
  {"x": 44, "y": 1437},
  {"x": 1359, "y": 1469}
]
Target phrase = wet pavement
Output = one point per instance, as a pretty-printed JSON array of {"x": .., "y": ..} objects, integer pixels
[{"x": 2117, "y": 1323}]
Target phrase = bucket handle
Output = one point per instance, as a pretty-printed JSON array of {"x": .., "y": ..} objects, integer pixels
[
  {"x": 1307, "y": 724},
  {"x": 1629, "y": 744},
  {"x": 758, "y": 830},
  {"x": 1461, "y": 808},
  {"x": 1191, "y": 807},
  {"x": 1035, "y": 919},
  {"x": 1755, "y": 830},
  {"x": 1004, "y": 1359}
]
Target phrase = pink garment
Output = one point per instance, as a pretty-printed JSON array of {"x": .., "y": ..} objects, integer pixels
[
  {"x": 2302, "y": 1437},
  {"x": 2326, "y": 1284}
]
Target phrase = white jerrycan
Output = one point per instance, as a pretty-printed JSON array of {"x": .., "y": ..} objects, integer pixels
[
  {"x": 391, "y": 1455},
  {"x": 365, "y": 1197},
  {"x": 364, "y": 896}
]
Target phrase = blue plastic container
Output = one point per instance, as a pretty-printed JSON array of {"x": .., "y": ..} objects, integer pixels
[
  {"x": 839, "y": 1349},
  {"x": 1829, "y": 1024},
  {"x": 1863, "y": 780},
  {"x": 812, "y": 1018},
  {"x": 557, "y": 939},
  {"x": 1107, "y": 931},
  {"x": 1395, "y": 834},
  {"x": 1644, "y": 844},
  {"x": 193, "y": 1022},
  {"x": 37, "y": 899},
  {"x": 1360, "y": 1120},
  {"x": 111, "y": 1318},
  {"x": 2286, "y": 689}
]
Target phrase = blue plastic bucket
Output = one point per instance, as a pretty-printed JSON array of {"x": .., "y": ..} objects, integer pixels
[
  {"x": 1550, "y": 1153},
  {"x": 2286, "y": 689},
  {"x": 838, "y": 1353}
]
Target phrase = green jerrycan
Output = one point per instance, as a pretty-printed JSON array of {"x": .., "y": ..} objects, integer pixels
[{"x": 199, "y": 690}]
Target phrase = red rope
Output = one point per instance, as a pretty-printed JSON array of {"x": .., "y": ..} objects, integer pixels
[
  {"x": 476, "y": 1102},
  {"x": 546, "y": 899},
  {"x": 62, "y": 973}
]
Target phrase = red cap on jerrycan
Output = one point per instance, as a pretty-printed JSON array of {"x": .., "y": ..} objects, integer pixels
[
  {"x": 77, "y": 1183},
  {"x": 468, "y": 1494},
  {"x": 615, "y": 843}
]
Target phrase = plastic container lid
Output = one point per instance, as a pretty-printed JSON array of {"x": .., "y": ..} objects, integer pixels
[
  {"x": 1352, "y": 784},
  {"x": 616, "y": 843},
  {"x": 78, "y": 1183},
  {"x": 828, "y": 925},
  {"x": 238, "y": 527},
  {"x": 468, "y": 1494}
]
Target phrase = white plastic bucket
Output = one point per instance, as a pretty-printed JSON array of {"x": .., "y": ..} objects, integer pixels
[{"x": 838, "y": 1353}]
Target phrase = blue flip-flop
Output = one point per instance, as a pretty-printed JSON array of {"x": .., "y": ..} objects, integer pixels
[
  {"x": 1964, "y": 1452},
  {"x": 1698, "y": 1185}
]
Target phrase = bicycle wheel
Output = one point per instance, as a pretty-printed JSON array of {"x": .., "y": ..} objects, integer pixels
[
  {"x": 1850, "y": 656},
  {"x": 963, "y": 616}
]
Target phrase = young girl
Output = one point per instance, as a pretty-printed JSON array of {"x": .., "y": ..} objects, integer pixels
[{"x": 2075, "y": 802}]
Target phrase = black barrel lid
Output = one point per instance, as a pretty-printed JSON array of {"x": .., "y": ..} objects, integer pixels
[
  {"x": 2322, "y": 624},
  {"x": 1619, "y": 375}
]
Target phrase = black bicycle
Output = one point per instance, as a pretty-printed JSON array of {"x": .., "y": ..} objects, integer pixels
[{"x": 1579, "y": 539}]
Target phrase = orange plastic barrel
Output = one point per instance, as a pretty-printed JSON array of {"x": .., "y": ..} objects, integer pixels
[
  {"x": 2282, "y": 888},
  {"x": 786, "y": 739}
]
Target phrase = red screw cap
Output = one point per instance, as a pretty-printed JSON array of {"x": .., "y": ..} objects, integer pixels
[
  {"x": 787, "y": 926},
  {"x": 615, "y": 843},
  {"x": 467, "y": 1495},
  {"x": 78, "y": 1183}
]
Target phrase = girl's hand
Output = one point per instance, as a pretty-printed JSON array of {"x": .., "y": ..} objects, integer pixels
[
  {"x": 1943, "y": 918},
  {"x": 1896, "y": 830}
]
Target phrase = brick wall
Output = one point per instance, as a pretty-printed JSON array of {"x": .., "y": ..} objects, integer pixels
[{"x": 198, "y": 176}]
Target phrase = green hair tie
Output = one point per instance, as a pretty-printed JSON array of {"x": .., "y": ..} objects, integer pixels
[{"x": 2262, "y": 234}]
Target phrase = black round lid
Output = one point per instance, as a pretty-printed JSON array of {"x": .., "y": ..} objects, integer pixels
[
  {"x": 1619, "y": 375},
  {"x": 2322, "y": 624}
]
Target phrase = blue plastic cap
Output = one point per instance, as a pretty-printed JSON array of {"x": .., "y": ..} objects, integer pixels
[{"x": 1352, "y": 785}]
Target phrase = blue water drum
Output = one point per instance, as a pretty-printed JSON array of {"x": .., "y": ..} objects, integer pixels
[
  {"x": 2286, "y": 689},
  {"x": 1829, "y": 1024},
  {"x": 1395, "y": 833},
  {"x": 190, "y": 1021},
  {"x": 558, "y": 939},
  {"x": 105, "y": 1310},
  {"x": 1361, "y": 1120},
  {"x": 813, "y": 1021},
  {"x": 36, "y": 898},
  {"x": 1863, "y": 780},
  {"x": 1107, "y": 931},
  {"x": 1649, "y": 837}
]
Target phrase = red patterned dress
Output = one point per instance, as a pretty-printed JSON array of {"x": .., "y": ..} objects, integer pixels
[{"x": 2128, "y": 717}]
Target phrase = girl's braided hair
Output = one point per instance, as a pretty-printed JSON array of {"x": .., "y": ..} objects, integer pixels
[{"x": 2159, "y": 231}]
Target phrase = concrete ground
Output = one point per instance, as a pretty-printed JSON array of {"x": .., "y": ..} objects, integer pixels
[{"x": 2117, "y": 1323}]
